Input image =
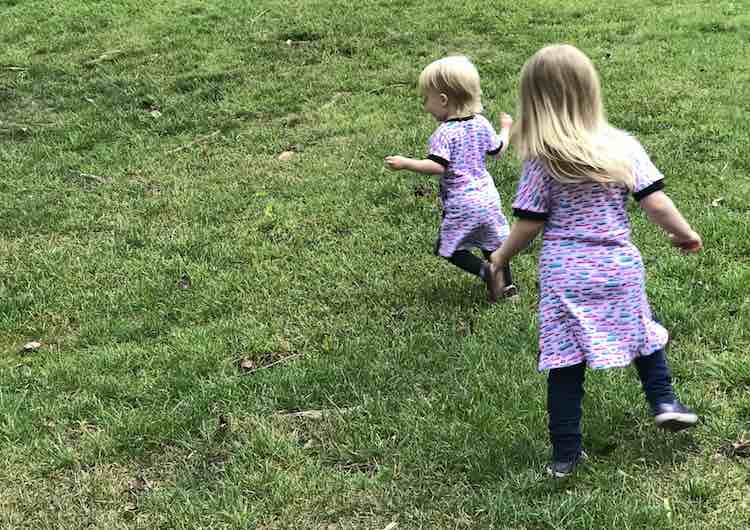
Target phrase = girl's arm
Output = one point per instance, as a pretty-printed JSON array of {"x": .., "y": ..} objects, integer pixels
[
  {"x": 522, "y": 233},
  {"x": 661, "y": 210},
  {"x": 427, "y": 167}
]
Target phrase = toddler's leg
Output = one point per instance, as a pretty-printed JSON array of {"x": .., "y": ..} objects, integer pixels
[
  {"x": 465, "y": 260},
  {"x": 668, "y": 412},
  {"x": 564, "y": 398}
]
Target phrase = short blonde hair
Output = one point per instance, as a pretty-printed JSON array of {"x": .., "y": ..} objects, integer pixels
[
  {"x": 561, "y": 119},
  {"x": 456, "y": 77}
]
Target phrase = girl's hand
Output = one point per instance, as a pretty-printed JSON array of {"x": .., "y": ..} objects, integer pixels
[
  {"x": 495, "y": 282},
  {"x": 692, "y": 243},
  {"x": 395, "y": 162},
  {"x": 506, "y": 121}
]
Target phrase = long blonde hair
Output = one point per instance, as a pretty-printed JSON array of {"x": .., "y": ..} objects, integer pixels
[
  {"x": 456, "y": 77},
  {"x": 561, "y": 119}
]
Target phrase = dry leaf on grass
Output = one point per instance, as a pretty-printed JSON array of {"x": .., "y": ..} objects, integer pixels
[
  {"x": 138, "y": 484},
  {"x": 32, "y": 346},
  {"x": 268, "y": 360},
  {"x": 717, "y": 201},
  {"x": 311, "y": 444},
  {"x": 740, "y": 449},
  {"x": 285, "y": 156},
  {"x": 184, "y": 282},
  {"x": 247, "y": 365},
  {"x": 422, "y": 190}
]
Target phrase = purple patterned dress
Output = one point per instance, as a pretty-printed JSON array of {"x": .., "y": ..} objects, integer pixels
[
  {"x": 593, "y": 306},
  {"x": 471, "y": 205}
]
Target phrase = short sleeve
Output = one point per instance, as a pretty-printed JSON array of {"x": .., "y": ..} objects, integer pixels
[
  {"x": 440, "y": 147},
  {"x": 648, "y": 178},
  {"x": 532, "y": 195},
  {"x": 495, "y": 143},
  {"x": 492, "y": 139}
]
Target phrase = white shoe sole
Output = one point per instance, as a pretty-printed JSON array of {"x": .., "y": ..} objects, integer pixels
[{"x": 676, "y": 421}]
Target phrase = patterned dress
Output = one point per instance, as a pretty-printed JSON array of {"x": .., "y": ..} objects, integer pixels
[
  {"x": 593, "y": 306},
  {"x": 471, "y": 205}
]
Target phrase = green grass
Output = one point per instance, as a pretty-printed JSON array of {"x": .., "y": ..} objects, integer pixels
[{"x": 436, "y": 414}]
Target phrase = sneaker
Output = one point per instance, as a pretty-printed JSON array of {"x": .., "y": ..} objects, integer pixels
[
  {"x": 674, "y": 416},
  {"x": 565, "y": 469}
]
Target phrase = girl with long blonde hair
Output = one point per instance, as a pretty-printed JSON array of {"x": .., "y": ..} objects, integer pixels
[{"x": 578, "y": 172}]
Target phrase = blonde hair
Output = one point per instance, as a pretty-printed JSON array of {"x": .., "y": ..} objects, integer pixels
[
  {"x": 561, "y": 119},
  {"x": 456, "y": 77}
]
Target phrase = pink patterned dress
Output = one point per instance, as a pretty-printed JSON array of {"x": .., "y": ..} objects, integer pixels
[
  {"x": 593, "y": 306},
  {"x": 472, "y": 217}
]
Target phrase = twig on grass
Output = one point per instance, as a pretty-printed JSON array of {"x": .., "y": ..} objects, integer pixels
[
  {"x": 334, "y": 99},
  {"x": 259, "y": 15},
  {"x": 269, "y": 365},
  {"x": 91, "y": 176},
  {"x": 197, "y": 141},
  {"x": 380, "y": 90},
  {"x": 315, "y": 414},
  {"x": 106, "y": 56}
]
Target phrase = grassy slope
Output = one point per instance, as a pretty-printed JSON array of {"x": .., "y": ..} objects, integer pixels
[{"x": 329, "y": 256}]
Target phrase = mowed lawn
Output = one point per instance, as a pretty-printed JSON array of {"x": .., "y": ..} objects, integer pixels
[{"x": 228, "y": 339}]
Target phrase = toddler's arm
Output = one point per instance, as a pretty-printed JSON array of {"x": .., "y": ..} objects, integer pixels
[
  {"x": 427, "y": 167},
  {"x": 661, "y": 210}
]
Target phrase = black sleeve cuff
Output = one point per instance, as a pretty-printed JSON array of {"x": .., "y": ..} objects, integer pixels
[
  {"x": 648, "y": 190},
  {"x": 442, "y": 161},
  {"x": 528, "y": 214},
  {"x": 496, "y": 151}
]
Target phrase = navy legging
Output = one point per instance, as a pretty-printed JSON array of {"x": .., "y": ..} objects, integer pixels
[{"x": 565, "y": 395}]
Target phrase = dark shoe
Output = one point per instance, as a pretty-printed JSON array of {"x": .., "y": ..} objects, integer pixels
[
  {"x": 497, "y": 289},
  {"x": 674, "y": 416},
  {"x": 565, "y": 469},
  {"x": 511, "y": 292}
]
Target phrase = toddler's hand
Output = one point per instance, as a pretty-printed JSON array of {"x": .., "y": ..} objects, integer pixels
[
  {"x": 506, "y": 121},
  {"x": 692, "y": 243},
  {"x": 394, "y": 162}
]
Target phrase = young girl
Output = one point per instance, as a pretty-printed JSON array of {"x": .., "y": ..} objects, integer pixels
[
  {"x": 471, "y": 205},
  {"x": 577, "y": 174}
]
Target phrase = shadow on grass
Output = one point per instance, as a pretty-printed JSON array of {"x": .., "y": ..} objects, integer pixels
[{"x": 468, "y": 295}]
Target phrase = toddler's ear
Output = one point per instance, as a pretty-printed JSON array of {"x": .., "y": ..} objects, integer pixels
[{"x": 443, "y": 100}]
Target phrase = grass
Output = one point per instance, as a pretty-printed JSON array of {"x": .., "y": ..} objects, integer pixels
[{"x": 152, "y": 241}]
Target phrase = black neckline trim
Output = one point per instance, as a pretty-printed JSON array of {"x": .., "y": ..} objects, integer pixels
[{"x": 465, "y": 118}]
